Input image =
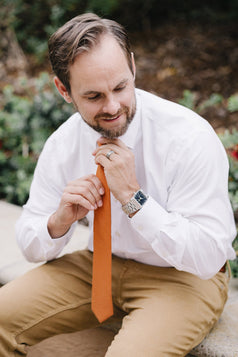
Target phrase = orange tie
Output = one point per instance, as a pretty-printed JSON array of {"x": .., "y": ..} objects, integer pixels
[{"x": 102, "y": 257}]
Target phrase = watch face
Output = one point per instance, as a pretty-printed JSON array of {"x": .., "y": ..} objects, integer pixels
[{"x": 140, "y": 197}]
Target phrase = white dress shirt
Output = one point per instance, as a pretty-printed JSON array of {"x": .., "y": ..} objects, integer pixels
[{"x": 187, "y": 221}]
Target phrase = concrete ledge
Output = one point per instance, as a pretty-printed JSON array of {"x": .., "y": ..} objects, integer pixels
[
  {"x": 12, "y": 262},
  {"x": 87, "y": 343}
]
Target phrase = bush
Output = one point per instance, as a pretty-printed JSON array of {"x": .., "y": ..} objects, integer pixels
[
  {"x": 25, "y": 124},
  {"x": 47, "y": 15},
  {"x": 189, "y": 100},
  {"x": 230, "y": 141}
]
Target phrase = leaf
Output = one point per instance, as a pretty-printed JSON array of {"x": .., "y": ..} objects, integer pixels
[
  {"x": 233, "y": 103},
  {"x": 188, "y": 99},
  {"x": 214, "y": 100}
]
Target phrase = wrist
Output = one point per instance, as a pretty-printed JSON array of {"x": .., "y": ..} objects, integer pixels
[
  {"x": 127, "y": 195},
  {"x": 55, "y": 228}
]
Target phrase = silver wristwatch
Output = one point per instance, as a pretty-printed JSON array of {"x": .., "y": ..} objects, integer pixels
[{"x": 136, "y": 202}]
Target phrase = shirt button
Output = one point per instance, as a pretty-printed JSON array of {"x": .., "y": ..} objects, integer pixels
[{"x": 117, "y": 234}]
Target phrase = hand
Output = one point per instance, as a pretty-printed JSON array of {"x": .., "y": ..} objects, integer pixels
[
  {"x": 119, "y": 169},
  {"x": 79, "y": 197}
]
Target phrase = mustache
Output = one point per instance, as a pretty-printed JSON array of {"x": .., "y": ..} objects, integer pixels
[{"x": 109, "y": 116}]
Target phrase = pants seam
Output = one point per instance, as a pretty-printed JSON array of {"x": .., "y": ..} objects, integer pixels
[
  {"x": 119, "y": 287},
  {"x": 50, "y": 314}
]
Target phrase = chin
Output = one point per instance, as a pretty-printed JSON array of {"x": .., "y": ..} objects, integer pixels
[{"x": 114, "y": 133}]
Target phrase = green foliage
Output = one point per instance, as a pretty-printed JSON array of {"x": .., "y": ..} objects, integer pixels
[
  {"x": 25, "y": 124},
  {"x": 234, "y": 267},
  {"x": 229, "y": 138},
  {"x": 188, "y": 99},
  {"x": 34, "y": 21},
  {"x": 210, "y": 102},
  {"x": 233, "y": 103},
  {"x": 230, "y": 142},
  {"x": 102, "y": 6}
]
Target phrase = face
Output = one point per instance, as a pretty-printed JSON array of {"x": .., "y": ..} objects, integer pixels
[{"x": 102, "y": 88}]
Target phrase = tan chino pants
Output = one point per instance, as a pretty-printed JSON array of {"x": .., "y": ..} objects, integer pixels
[{"x": 168, "y": 312}]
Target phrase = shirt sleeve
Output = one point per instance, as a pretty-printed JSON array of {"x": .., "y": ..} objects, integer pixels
[
  {"x": 31, "y": 229},
  {"x": 194, "y": 231}
]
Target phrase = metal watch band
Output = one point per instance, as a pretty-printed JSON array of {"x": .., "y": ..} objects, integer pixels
[{"x": 135, "y": 203}]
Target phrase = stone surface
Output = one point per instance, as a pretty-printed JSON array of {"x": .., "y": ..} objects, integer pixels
[
  {"x": 12, "y": 262},
  {"x": 87, "y": 343}
]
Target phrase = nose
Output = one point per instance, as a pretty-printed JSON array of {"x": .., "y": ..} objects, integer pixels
[{"x": 111, "y": 105}]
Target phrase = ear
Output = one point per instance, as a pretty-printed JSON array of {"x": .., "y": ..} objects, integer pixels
[
  {"x": 133, "y": 64},
  {"x": 62, "y": 90}
]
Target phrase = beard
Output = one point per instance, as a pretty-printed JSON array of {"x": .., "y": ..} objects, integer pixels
[
  {"x": 114, "y": 133},
  {"x": 111, "y": 133}
]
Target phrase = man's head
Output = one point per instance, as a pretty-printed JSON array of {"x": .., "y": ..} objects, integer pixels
[
  {"x": 81, "y": 34},
  {"x": 95, "y": 70}
]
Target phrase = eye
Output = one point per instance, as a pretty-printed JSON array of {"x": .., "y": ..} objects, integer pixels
[
  {"x": 95, "y": 97},
  {"x": 118, "y": 89}
]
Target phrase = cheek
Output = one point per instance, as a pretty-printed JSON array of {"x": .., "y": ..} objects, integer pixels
[
  {"x": 88, "y": 111},
  {"x": 128, "y": 98}
]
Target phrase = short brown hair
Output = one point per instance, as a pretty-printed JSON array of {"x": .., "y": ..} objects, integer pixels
[{"x": 78, "y": 35}]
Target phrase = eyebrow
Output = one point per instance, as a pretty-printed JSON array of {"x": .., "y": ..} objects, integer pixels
[{"x": 93, "y": 92}]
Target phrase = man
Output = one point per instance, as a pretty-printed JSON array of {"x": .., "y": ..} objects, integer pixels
[{"x": 170, "y": 240}]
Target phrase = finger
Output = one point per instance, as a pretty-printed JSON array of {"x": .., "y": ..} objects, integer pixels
[
  {"x": 97, "y": 184},
  {"x": 89, "y": 179},
  {"x": 104, "y": 149},
  {"x": 105, "y": 141},
  {"x": 102, "y": 160},
  {"x": 113, "y": 152},
  {"x": 108, "y": 151},
  {"x": 106, "y": 144},
  {"x": 91, "y": 188},
  {"x": 74, "y": 199},
  {"x": 86, "y": 194},
  {"x": 121, "y": 149}
]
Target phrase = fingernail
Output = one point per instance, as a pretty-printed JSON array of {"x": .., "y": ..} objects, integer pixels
[
  {"x": 100, "y": 203},
  {"x": 101, "y": 191}
]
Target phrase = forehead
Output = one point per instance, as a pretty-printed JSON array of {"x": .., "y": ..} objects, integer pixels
[{"x": 105, "y": 63}]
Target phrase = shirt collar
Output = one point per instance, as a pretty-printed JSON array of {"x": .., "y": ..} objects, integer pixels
[{"x": 129, "y": 138}]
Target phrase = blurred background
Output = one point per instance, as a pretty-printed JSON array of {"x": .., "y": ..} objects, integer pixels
[{"x": 185, "y": 51}]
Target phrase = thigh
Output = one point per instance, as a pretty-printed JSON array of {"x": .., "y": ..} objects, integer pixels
[
  {"x": 51, "y": 299},
  {"x": 169, "y": 312}
]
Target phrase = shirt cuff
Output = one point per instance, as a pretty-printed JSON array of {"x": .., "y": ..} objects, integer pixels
[
  {"x": 52, "y": 246},
  {"x": 150, "y": 219}
]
